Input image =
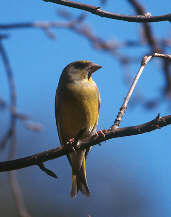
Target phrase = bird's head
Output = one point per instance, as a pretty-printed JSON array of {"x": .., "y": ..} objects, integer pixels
[{"x": 79, "y": 70}]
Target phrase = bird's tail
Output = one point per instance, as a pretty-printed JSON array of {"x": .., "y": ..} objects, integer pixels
[{"x": 79, "y": 182}]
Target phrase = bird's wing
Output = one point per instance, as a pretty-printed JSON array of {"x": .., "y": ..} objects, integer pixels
[
  {"x": 58, "y": 118},
  {"x": 94, "y": 130}
]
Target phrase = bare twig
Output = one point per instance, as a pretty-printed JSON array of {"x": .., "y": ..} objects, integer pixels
[
  {"x": 24, "y": 118},
  {"x": 144, "y": 62},
  {"x": 12, "y": 94},
  {"x": 9, "y": 76},
  {"x": 14, "y": 181},
  {"x": 5, "y": 138},
  {"x": 148, "y": 34},
  {"x": 123, "y": 108},
  {"x": 77, "y": 26},
  {"x": 45, "y": 26},
  {"x": 47, "y": 171},
  {"x": 97, "y": 11},
  {"x": 11, "y": 135},
  {"x": 111, "y": 47}
]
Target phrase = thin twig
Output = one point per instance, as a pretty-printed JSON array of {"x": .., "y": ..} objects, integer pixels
[
  {"x": 11, "y": 135},
  {"x": 123, "y": 108},
  {"x": 144, "y": 62},
  {"x": 97, "y": 11},
  {"x": 47, "y": 171},
  {"x": 111, "y": 47},
  {"x": 24, "y": 118},
  {"x": 14, "y": 181},
  {"x": 76, "y": 26},
  {"x": 12, "y": 89},
  {"x": 45, "y": 26},
  {"x": 148, "y": 33}
]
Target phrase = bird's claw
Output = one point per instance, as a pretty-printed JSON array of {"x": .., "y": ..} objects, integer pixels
[
  {"x": 100, "y": 133},
  {"x": 71, "y": 143}
]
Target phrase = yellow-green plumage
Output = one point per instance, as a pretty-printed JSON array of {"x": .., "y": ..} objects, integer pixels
[{"x": 77, "y": 110}]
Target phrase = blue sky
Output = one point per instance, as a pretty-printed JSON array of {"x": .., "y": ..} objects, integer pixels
[{"x": 129, "y": 176}]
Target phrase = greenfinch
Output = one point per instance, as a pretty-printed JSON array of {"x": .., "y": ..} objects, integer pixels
[{"x": 77, "y": 105}]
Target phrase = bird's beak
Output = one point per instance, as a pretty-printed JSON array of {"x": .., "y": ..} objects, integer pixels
[{"x": 94, "y": 67}]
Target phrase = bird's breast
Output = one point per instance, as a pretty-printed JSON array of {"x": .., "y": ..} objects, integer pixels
[{"x": 78, "y": 107}]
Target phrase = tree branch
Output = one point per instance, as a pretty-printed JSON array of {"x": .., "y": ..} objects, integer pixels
[
  {"x": 96, "y": 10},
  {"x": 36, "y": 159}
]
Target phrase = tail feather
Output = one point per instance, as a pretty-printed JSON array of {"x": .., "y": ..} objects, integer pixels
[
  {"x": 74, "y": 187},
  {"x": 84, "y": 189},
  {"x": 79, "y": 182}
]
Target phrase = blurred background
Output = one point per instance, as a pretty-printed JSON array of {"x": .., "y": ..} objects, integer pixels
[{"x": 128, "y": 177}]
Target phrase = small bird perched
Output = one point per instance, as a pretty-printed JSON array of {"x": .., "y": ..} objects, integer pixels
[{"x": 77, "y": 105}]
